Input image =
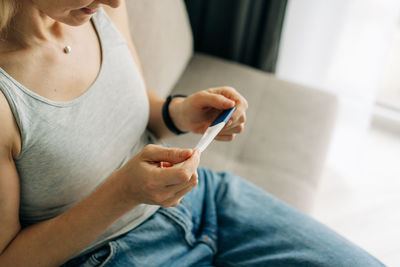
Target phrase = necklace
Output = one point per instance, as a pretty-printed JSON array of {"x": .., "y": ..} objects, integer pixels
[{"x": 67, "y": 49}]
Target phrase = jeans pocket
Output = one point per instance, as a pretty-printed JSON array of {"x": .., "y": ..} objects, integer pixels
[{"x": 102, "y": 256}]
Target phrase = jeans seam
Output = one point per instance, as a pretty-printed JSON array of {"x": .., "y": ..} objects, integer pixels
[
  {"x": 113, "y": 251},
  {"x": 177, "y": 219},
  {"x": 183, "y": 206}
]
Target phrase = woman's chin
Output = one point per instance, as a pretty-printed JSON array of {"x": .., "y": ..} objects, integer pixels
[{"x": 77, "y": 18}]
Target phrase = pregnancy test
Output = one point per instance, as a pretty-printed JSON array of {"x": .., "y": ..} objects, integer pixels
[{"x": 213, "y": 130}]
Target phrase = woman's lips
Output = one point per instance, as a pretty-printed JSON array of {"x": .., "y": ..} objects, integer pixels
[{"x": 89, "y": 11}]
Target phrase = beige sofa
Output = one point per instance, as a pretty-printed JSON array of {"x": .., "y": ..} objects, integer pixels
[{"x": 284, "y": 145}]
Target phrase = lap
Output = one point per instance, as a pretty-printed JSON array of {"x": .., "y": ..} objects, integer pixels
[
  {"x": 226, "y": 221},
  {"x": 256, "y": 229}
]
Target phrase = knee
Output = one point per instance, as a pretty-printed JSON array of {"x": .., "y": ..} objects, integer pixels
[{"x": 340, "y": 254}]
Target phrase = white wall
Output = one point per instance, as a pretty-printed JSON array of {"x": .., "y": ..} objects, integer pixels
[{"x": 340, "y": 46}]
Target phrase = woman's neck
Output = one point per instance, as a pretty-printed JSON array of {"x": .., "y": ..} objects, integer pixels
[{"x": 31, "y": 27}]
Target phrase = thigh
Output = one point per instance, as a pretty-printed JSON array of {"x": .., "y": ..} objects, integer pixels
[
  {"x": 163, "y": 240},
  {"x": 178, "y": 236},
  {"x": 256, "y": 229}
]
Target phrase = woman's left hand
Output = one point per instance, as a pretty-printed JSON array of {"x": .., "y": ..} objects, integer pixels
[{"x": 196, "y": 112}]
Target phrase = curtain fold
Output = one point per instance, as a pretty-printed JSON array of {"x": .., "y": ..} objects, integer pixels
[{"x": 246, "y": 31}]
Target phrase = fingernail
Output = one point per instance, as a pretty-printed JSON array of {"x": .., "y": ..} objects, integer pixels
[{"x": 229, "y": 123}]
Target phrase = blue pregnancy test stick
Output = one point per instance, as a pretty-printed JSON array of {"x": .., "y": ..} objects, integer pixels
[{"x": 213, "y": 130}]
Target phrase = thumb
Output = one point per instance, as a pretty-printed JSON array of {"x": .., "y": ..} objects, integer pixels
[
  {"x": 158, "y": 153},
  {"x": 216, "y": 101}
]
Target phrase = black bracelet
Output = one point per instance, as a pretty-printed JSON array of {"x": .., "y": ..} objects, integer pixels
[{"x": 166, "y": 116}]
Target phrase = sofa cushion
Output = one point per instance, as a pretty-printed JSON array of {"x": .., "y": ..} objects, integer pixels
[
  {"x": 284, "y": 145},
  {"x": 163, "y": 39}
]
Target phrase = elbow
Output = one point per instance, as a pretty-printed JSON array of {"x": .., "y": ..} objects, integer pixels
[{"x": 8, "y": 237}]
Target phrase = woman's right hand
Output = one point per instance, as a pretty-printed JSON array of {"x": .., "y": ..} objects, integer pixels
[{"x": 143, "y": 181}]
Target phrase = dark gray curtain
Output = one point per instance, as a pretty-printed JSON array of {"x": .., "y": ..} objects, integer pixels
[{"x": 247, "y": 31}]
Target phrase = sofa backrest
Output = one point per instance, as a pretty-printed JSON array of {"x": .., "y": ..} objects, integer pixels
[{"x": 163, "y": 39}]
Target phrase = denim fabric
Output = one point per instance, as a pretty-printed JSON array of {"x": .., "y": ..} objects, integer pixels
[{"x": 226, "y": 221}]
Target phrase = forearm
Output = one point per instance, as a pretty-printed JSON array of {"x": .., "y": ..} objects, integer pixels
[{"x": 52, "y": 242}]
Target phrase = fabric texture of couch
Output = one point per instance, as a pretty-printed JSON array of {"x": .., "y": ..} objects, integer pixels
[{"x": 289, "y": 126}]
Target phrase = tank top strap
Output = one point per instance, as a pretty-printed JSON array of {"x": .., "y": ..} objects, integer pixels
[{"x": 107, "y": 31}]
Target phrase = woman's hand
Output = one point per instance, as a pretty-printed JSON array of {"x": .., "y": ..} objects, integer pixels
[
  {"x": 196, "y": 112},
  {"x": 143, "y": 181}
]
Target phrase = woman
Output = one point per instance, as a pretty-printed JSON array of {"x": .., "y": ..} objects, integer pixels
[{"x": 81, "y": 186}]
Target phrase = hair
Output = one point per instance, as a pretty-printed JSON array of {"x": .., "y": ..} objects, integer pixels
[{"x": 7, "y": 12}]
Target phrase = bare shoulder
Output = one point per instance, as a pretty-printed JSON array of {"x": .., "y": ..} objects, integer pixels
[{"x": 10, "y": 140}]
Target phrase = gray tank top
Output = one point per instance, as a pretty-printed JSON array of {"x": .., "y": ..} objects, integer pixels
[{"x": 70, "y": 148}]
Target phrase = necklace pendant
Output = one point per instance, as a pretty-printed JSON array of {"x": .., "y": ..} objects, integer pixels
[{"x": 67, "y": 49}]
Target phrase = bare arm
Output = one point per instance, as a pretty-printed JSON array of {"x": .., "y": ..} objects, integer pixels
[
  {"x": 51, "y": 242},
  {"x": 9, "y": 182}
]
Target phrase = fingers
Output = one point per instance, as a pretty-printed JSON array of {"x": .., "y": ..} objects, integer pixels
[
  {"x": 180, "y": 175},
  {"x": 232, "y": 130},
  {"x": 177, "y": 197},
  {"x": 234, "y": 126},
  {"x": 231, "y": 93},
  {"x": 173, "y": 194},
  {"x": 156, "y": 153},
  {"x": 209, "y": 99},
  {"x": 193, "y": 162},
  {"x": 226, "y": 138},
  {"x": 174, "y": 201},
  {"x": 239, "y": 117},
  {"x": 203, "y": 107}
]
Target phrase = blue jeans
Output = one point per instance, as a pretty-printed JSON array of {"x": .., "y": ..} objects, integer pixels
[{"x": 226, "y": 221}]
